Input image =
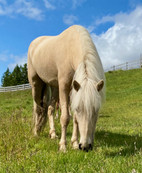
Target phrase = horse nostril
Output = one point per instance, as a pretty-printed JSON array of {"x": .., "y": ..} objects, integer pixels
[
  {"x": 90, "y": 147},
  {"x": 85, "y": 149},
  {"x": 80, "y": 146}
]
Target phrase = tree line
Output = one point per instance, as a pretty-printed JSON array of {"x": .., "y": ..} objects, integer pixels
[{"x": 17, "y": 77}]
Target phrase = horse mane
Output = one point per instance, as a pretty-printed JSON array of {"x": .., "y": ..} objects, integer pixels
[{"x": 88, "y": 73}]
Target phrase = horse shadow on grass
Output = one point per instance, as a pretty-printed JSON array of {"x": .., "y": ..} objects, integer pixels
[{"x": 125, "y": 144}]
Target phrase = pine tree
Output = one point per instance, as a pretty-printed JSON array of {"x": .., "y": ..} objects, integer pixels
[
  {"x": 17, "y": 76},
  {"x": 6, "y": 78},
  {"x": 24, "y": 74}
]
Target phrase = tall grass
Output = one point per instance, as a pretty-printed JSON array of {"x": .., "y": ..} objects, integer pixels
[{"x": 118, "y": 139}]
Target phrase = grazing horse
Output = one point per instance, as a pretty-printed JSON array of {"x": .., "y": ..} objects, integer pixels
[{"x": 67, "y": 67}]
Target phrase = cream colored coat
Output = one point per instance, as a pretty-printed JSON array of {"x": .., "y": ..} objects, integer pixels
[{"x": 54, "y": 61}]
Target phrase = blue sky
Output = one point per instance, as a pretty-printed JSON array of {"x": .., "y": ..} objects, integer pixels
[{"x": 115, "y": 27}]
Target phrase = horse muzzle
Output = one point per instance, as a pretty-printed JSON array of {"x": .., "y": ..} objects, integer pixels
[{"x": 85, "y": 148}]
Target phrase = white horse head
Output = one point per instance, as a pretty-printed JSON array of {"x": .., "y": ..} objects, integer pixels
[
  {"x": 86, "y": 98},
  {"x": 86, "y": 107}
]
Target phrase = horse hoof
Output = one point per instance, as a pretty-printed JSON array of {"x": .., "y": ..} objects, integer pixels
[
  {"x": 63, "y": 148},
  {"x": 36, "y": 133},
  {"x": 53, "y": 136},
  {"x": 75, "y": 145}
]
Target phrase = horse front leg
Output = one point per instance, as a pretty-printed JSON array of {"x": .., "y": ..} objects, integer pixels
[
  {"x": 74, "y": 139},
  {"x": 65, "y": 117}
]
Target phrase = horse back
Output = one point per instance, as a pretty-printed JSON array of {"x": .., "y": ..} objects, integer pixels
[{"x": 57, "y": 57}]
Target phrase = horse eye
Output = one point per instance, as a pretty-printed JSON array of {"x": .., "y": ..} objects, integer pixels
[{"x": 77, "y": 110}]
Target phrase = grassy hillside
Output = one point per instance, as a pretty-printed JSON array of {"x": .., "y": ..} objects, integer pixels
[{"x": 118, "y": 140}]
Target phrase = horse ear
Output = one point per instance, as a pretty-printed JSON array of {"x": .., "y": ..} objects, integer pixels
[
  {"x": 100, "y": 85},
  {"x": 76, "y": 85}
]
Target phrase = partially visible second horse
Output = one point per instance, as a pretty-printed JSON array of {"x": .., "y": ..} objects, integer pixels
[{"x": 69, "y": 67}]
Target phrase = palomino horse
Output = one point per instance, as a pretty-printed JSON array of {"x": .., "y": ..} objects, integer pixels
[{"x": 67, "y": 66}]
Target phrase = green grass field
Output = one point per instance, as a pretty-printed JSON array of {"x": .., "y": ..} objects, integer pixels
[{"x": 118, "y": 139}]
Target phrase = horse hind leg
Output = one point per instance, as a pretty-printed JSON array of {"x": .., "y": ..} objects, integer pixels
[
  {"x": 51, "y": 110},
  {"x": 39, "y": 92}
]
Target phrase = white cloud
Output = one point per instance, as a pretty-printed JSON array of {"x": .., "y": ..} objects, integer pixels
[
  {"x": 23, "y": 7},
  {"x": 123, "y": 41},
  {"x": 12, "y": 60},
  {"x": 76, "y": 3},
  {"x": 70, "y": 19},
  {"x": 17, "y": 60},
  {"x": 48, "y": 5},
  {"x": 53, "y": 4},
  {"x": 2, "y": 1},
  {"x": 3, "y": 56}
]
